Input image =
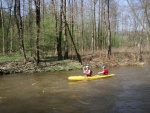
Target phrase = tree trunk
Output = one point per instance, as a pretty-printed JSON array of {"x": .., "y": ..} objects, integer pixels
[
  {"x": 56, "y": 23},
  {"x": 2, "y": 25},
  {"x": 37, "y": 5},
  {"x": 59, "y": 49},
  {"x": 30, "y": 30},
  {"x": 140, "y": 43},
  {"x": 94, "y": 22},
  {"x": 19, "y": 27},
  {"x": 78, "y": 55},
  {"x": 93, "y": 26},
  {"x": 99, "y": 43},
  {"x": 8, "y": 40},
  {"x": 72, "y": 40},
  {"x": 82, "y": 25},
  {"x": 108, "y": 29},
  {"x": 65, "y": 33},
  {"x": 43, "y": 29}
]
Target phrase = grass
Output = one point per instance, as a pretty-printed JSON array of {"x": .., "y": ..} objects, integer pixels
[
  {"x": 10, "y": 58},
  {"x": 64, "y": 65},
  {"x": 14, "y": 63}
]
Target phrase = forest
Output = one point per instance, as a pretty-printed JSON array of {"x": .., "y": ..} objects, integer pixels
[{"x": 88, "y": 31}]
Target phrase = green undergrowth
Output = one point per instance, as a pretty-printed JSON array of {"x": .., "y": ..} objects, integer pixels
[
  {"x": 64, "y": 65},
  {"x": 9, "y": 58}
]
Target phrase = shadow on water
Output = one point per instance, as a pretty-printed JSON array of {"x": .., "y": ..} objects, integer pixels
[{"x": 128, "y": 92}]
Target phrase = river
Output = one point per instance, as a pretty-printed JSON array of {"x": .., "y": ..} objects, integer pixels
[{"x": 52, "y": 92}]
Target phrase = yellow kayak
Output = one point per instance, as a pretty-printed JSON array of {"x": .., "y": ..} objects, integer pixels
[{"x": 76, "y": 78}]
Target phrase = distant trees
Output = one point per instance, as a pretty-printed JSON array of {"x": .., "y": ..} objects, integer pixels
[
  {"x": 142, "y": 22},
  {"x": 67, "y": 27}
]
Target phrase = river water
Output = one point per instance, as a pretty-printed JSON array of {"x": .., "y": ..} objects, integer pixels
[{"x": 127, "y": 92}]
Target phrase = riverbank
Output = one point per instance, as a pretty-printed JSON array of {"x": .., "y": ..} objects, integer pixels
[
  {"x": 30, "y": 67},
  {"x": 95, "y": 60}
]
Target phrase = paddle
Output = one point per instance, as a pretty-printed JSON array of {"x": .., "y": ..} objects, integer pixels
[{"x": 84, "y": 73}]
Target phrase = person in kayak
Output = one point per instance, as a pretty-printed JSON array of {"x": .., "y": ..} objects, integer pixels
[
  {"x": 88, "y": 71},
  {"x": 105, "y": 71}
]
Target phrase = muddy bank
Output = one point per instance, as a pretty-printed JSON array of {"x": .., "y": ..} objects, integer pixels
[{"x": 96, "y": 60}]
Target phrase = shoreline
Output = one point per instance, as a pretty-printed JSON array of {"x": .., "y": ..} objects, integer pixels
[{"x": 93, "y": 61}]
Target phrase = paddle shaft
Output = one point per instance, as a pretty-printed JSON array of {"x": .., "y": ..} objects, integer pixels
[{"x": 84, "y": 73}]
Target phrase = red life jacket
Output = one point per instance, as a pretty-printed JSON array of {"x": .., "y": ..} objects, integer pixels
[{"x": 105, "y": 72}]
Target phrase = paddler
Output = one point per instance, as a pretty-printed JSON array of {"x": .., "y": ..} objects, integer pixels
[
  {"x": 105, "y": 71},
  {"x": 87, "y": 71}
]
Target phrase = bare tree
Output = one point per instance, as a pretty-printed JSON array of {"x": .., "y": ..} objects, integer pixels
[
  {"x": 141, "y": 22},
  {"x": 56, "y": 20},
  {"x": 93, "y": 25},
  {"x": 37, "y": 6},
  {"x": 2, "y": 25},
  {"x": 30, "y": 30},
  {"x": 146, "y": 6},
  {"x": 82, "y": 24},
  {"x": 99, "y": 41},
  {"x": 71, "y": 34},
  {"x": 59, "y": 49},
  {"x": 18, "y": 17},
  {"x": 9, "y": 40},
  {"x": 72, "y": 40},
  {"x": 65, "y": 33},
  {"x": 108, "y": 28}
]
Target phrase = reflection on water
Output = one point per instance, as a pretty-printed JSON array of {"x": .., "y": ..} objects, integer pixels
[{"x": 128, "y": 92}]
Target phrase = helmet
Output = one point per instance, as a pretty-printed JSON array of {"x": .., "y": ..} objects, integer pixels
[
  {"x": 103, "y": 67},
  {"x": 87, "y": 66}
]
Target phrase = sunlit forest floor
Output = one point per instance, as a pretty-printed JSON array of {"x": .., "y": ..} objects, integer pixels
[
  {"x": 119, "y": 57},
  {"x": 116, "y": 59},
  {"x": 15, "y": 64}
]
